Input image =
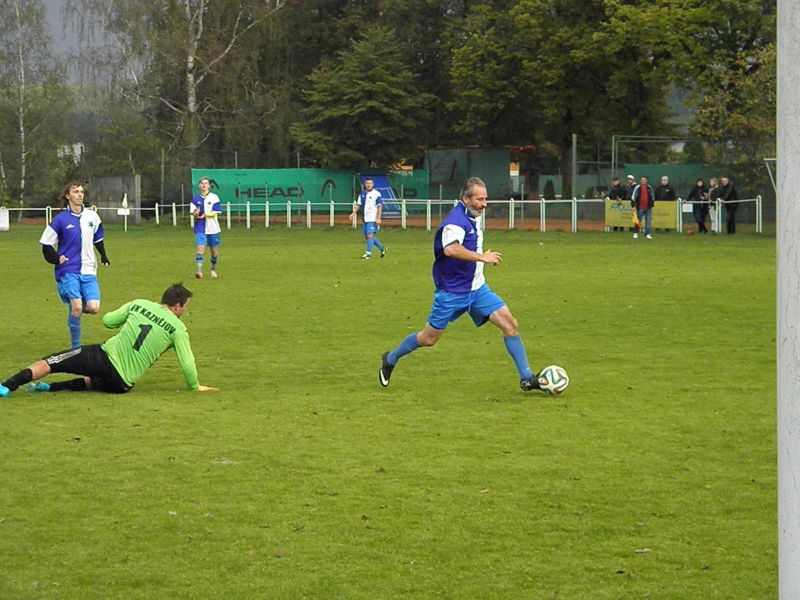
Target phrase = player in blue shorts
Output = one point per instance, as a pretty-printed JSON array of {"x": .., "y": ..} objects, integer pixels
[
  {"x": 77, "y": 231},
  {"x": 461, "y": 287},
  {"x": 206, "y": 209},
  {"x": 372, "y": 202}
]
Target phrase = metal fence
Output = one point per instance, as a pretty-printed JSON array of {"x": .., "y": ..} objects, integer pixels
[{"x": 560, "y": 214}]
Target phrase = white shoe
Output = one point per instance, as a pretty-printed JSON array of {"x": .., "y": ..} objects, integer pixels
[
  {"x": 649, "y": 237},
  {"x": 366, "y": 256},
  {"x": 213, "y": 273},
  {"x": 636, "y": 236}
]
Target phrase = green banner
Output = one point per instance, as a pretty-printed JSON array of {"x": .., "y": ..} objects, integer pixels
[
  {"x": 411, "y": 185},
  {"x": 257, "y": 186},
  {"x": 318, "y": 186}
]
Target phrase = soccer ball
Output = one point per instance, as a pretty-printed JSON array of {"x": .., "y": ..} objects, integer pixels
[{"x": 556, "y": 379}]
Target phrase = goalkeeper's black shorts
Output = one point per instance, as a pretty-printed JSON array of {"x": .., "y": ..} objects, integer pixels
[{"x": 92, "y": 362}]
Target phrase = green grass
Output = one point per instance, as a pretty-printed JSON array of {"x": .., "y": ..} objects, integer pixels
[{"x": 652, "y": 476}]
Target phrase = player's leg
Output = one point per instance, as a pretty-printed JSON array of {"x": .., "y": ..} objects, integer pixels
[
  {"x": 74, "y": 321},
  {"x": 446, "y": 308},
  {"x": 428, "y": 336},
  {"x": 30, "y": 373},
  {"x": 376, "y": 242},
  {"x": 69, "y": 289},
  {"x": 731, "y": 210},
  {"x": 488, "y": 306},
  {"x": 89, "y": 361},
  {"x": 79, "y": 384},
  {"x": 90, "y": 293},
  {"x": 213, "y": 247},
  {"x": 200, "y": 243},
  {"x": 505, "y": 321},
  {"x": 368, "y": 236}
]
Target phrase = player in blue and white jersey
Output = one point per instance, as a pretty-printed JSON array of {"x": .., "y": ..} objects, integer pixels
[
  {"x": 461, "y": 287},
  {"x": 77, "y": 231},
  {"x": 372, "y": 202},
  {"x": 206, "y": 209}
]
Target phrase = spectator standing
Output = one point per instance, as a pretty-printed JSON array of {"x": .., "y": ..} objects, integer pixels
[
  {"x": 729, "y": 197},
  {"x": 642, "y": 201},
  {"x": 713, "y": 196},
  {"x": 617, "y": 192},
  {"x": 699, "y": 199},
  {"x": 665, "y": 191},
  {"x": 630, "y": 183}
]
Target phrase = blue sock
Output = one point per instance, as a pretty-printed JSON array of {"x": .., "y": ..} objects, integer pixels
[
  {"x": 377, "y": 244},
  {"x": 370, "y": 244},
  {"x": 407, "y": 345},
  {"x": 199, "y": 259},
  {"x": 517, "y": 351},
  {"x": 74, "y": 324}
]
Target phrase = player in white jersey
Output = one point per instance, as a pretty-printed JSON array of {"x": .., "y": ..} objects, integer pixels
[
  {"x": 372, "y": 202},
  {"x": 206, "y": 208},
  {"x": 77, "y": 231}
]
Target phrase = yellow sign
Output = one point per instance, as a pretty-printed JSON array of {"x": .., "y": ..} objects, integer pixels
[{"x": 665, "y": 216}]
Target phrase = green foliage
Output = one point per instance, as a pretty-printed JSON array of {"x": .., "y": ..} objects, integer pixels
[
  {"x": 484, "y": 72},
  {"x": 123, "y": 145},
  {"x": 546, "y": 69},
  {"x": 724, "y": 54},
  {"x": 364, "y": 110},
  {"x": 739, "y": 118},
  {"x": 33, "y": 102},
  {"x": 302, "y": 478}
]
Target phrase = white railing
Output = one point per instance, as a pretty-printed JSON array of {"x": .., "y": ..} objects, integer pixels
[{"x": 409, "y": 209}]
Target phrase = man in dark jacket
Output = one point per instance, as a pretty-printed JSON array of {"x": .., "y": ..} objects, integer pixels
[
  {"x": 617, "y": 192},
  {"x": 665, "y": 191},
  {"x": 642, "y": 200},
  {"x": 727, "y": 194}
]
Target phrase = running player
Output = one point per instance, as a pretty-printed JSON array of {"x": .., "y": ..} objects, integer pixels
[
  {"x": 461, "y": 287},
  {"x": 75, "y": 229}
]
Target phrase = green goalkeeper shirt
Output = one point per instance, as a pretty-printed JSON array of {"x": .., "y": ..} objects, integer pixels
[{"x": 148, "y": 330}]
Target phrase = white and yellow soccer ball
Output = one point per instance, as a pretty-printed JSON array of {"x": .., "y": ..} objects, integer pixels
[{"x": 553, "y": 379}]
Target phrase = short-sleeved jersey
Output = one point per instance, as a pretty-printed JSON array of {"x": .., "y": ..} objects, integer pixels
[
  {"x": 207, "y": 204},
  {"x": 370, "y": 201},
  {"x": 451, "y": 274},
  {"x": 75, "y": 235},
  {"x": 148, "y": 330}
]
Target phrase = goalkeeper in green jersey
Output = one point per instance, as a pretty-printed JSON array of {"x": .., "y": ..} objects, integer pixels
[{"x": 148, "y": 330}]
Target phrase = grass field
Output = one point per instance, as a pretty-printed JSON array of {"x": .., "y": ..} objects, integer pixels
[{"x": 653, "y": 476}]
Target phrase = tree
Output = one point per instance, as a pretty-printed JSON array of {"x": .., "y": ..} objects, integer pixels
[
  {"x": 723, "y": 54},
  {"x": 32, "y": 97},
  {"x": 364, "y": 109},
  {"x": 169, "y": 52},
  {"x": 739, "y": 118},
  {"x": 545, "y": 69}
]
